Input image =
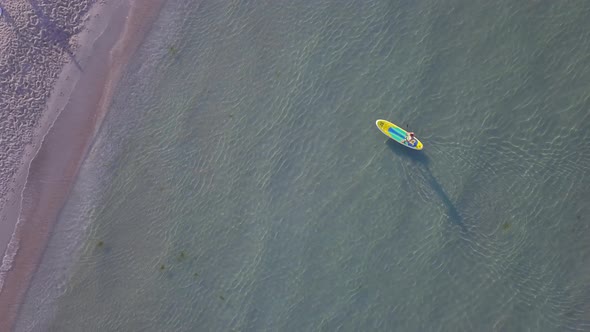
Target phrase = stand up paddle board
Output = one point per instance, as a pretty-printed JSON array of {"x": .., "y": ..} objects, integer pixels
[{"x": 398, "y": 134}]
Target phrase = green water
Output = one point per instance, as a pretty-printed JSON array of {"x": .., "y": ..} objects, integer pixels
[{"x": 241, "y": 183}]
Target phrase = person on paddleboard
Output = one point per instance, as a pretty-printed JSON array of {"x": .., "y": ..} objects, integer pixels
[{"x": 410, "y": 138}]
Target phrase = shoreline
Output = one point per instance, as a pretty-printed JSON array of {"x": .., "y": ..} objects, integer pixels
[
  {"x": 25, "y": 93},
  {"x": 113, "y": 32},
  {"x": 60, "y": 94}
]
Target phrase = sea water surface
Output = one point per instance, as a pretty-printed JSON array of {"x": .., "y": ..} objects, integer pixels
[{"x": 240, "y": 184}]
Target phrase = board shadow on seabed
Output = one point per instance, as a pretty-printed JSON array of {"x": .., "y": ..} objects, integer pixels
[{"x": 421, "y": 163}]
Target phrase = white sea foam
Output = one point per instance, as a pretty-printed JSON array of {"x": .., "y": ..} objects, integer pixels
[{"x": 8, "y": 258}]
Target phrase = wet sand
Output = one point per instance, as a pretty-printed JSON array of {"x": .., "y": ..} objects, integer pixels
[
  {"x": 36, "y": 41},
  {"x": 81, "y": 96}
]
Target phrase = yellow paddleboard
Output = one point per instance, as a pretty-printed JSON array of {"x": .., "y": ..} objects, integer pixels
[{"x": 398, "y": 134}]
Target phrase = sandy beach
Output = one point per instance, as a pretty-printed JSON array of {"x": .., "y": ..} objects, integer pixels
[
  {"x": 82, "y": 76},
  {"x": 36, "y": 42}
]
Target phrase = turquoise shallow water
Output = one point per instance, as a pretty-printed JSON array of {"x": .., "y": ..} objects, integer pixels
[{"x": 240, "y": 183}]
